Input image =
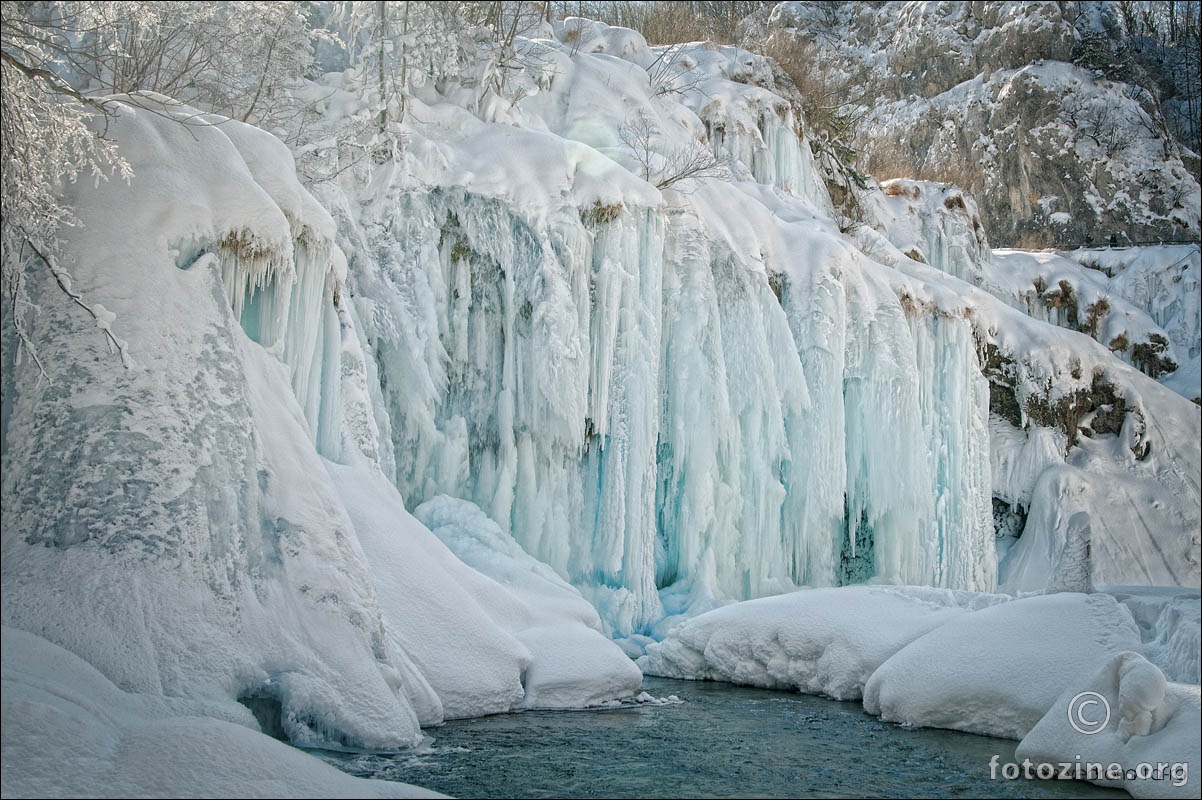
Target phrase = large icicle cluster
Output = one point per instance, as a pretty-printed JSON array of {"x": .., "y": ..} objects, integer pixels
[
  {"x": 1073, "y": 428},
  {"x": 674, "y": 399}
]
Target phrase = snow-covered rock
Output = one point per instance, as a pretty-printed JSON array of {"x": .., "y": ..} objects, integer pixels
[
  {"x": 819, "y": 641},
  {"x": 1003, "y": 100},
  {"x": 70, "y": 732},
  {"x": 997, "y": 671},
  {"x": 1124, "y": 714}
]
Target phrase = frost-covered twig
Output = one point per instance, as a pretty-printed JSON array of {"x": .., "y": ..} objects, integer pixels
[
  {"x": 664, "y": 77},
  {"x": 104, "y": 318},
  {"x": 16, "y": 297}
]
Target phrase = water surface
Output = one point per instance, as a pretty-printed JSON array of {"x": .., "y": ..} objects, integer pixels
[{"x": 723, "y": 741}]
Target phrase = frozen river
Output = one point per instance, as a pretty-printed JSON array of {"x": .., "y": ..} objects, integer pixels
[{"x": 722, "y": 741}]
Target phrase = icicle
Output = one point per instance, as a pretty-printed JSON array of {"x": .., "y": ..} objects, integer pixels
[
  {"x": 954, "y": 399},
  {"x": 257, "y": 277}
]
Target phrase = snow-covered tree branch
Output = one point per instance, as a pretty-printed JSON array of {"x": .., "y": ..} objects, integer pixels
[{"x": 50, "y": 134}]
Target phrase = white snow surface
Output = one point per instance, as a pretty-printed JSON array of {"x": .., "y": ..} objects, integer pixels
[
  {"x": 70, "y": 732},
  {"x": 573, "y": 665},
  {"x": 1151, "y": 722},
  {"x": 818, "y": 641},
  {"x": 1170, "y": 624},
  {"x": 434, "y": 606},
  {"x": 998, "y": 670},
  {"x": 982, "y": 663}
]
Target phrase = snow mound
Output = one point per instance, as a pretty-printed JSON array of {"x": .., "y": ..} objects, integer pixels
[
  {"x": 435, "y": 608},
  {"x": 819, "y": 641},
  {"x": 1136, "y": 718},
  {"x": 572, "y": 663},
  {"x": 997, "y": 671},
  {"x": 81, "y": 736}
]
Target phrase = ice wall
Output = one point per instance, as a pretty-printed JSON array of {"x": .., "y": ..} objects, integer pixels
[
  {"x": 937, "y": 224},
  {"x": 668, "y": 403},
  {"x": 518, "y": 366},
  {"x": 954, "y": 401},
  {"x": 674, "y": 398},
  {"x": 751, "y": 129},
  {"x": 1165, "y": 281},
  {"x": 734, "y": 394}
]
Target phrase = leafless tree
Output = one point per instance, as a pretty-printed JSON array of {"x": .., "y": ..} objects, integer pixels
[{"x": 676, "y": 164}]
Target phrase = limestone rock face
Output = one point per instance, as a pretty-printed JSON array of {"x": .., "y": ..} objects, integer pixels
[{"x": 1028, "y": 105}]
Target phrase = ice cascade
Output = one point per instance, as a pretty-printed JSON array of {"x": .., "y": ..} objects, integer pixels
[{"x": 662, "y": 420}]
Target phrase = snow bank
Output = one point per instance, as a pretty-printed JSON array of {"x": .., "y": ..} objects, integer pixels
[
  {"x": 997, "y": 671},
  {"x": 70, "y": 732},
  {"x": 572, "y": 664},
  {"x": 488, "y": 628},
  {"x": 673, "y": 397},
  {"x": 1135, "y": 536},
  {"x": 1149, "y": 727},
  {"x": 435, "y": 608},
  {"x": 819, "y": 641}
]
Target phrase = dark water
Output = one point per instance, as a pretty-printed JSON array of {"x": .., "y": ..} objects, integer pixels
[{"x": 723, "y": 741}]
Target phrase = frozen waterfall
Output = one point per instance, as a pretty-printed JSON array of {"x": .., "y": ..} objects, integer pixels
[{"x": 650, "y": 412}]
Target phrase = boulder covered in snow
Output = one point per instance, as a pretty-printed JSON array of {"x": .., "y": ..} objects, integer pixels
[
  {"x": 1125, "y": 714},
  {"x": 998, "y": 670},
  {"x": 820, "y": 641}
]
